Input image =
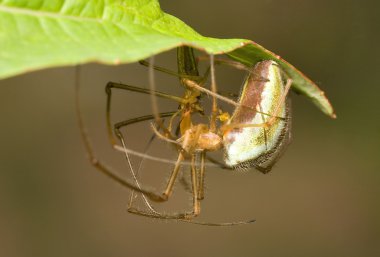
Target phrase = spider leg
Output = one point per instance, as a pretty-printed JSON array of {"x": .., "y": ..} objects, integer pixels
[
  {"x": 200, "y": 195},
  {"x": 178, "y": 216},
  {"x": 222, "y": 61},
  {"x": 99, "y": 164},
  {"x": 170, "y": 72},
  {"x": 187, "y": 216},
  {"x": 111, "y": 85}
]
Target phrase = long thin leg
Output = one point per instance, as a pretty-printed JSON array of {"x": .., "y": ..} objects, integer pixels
[
  {"x": 170, "y": 72},
  {"x": 213, "y": 163},
  {"x": 200, "y": 79},
  {"x": 111, "y": 85},
  {"x": 121, "y": 138},
  {"x": 187, "y": 66},
  {"x": 125, "y": 123},
  {"x": 214, "y": 111},
  {"x": 134, "y": 176},
  {"x": 201, "y": 177},
  {"x": 184, "y": 218},
  {"x": 132, "y": 196},
  {"x": 194, "y": 182},
  {"x": 153, "y": 98},
  {"x": 193, "y": 84},
  {"x": 234, "y": 64},
  {"x": 163, "y": 137},
  {"x": 196, "y": 204},
  {"x": 187, "y": 217},
  {"x": 173, "y": 176},
  {"x": 95, "y": 161},
  {"x": 143, "y": 91}
]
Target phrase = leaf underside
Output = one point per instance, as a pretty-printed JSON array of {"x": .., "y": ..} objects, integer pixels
[{"x": 36, "y": 34}]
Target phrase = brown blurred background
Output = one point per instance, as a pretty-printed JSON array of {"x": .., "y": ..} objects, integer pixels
[{"x": 321, "y": 199}]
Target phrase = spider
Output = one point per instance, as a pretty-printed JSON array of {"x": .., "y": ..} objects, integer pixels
[{"x": 254, "y": 135}]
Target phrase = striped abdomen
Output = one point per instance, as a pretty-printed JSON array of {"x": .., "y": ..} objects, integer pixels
[{"x": 259, "y": 146}]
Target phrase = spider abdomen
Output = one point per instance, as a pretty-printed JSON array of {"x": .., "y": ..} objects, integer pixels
[{"x": 256, "y": 145}]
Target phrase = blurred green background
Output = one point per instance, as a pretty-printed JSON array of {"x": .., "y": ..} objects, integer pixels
[{"x": 321, "y": 199}]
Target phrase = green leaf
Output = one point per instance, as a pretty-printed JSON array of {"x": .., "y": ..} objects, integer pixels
[{"x": 36, "y": 34}]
